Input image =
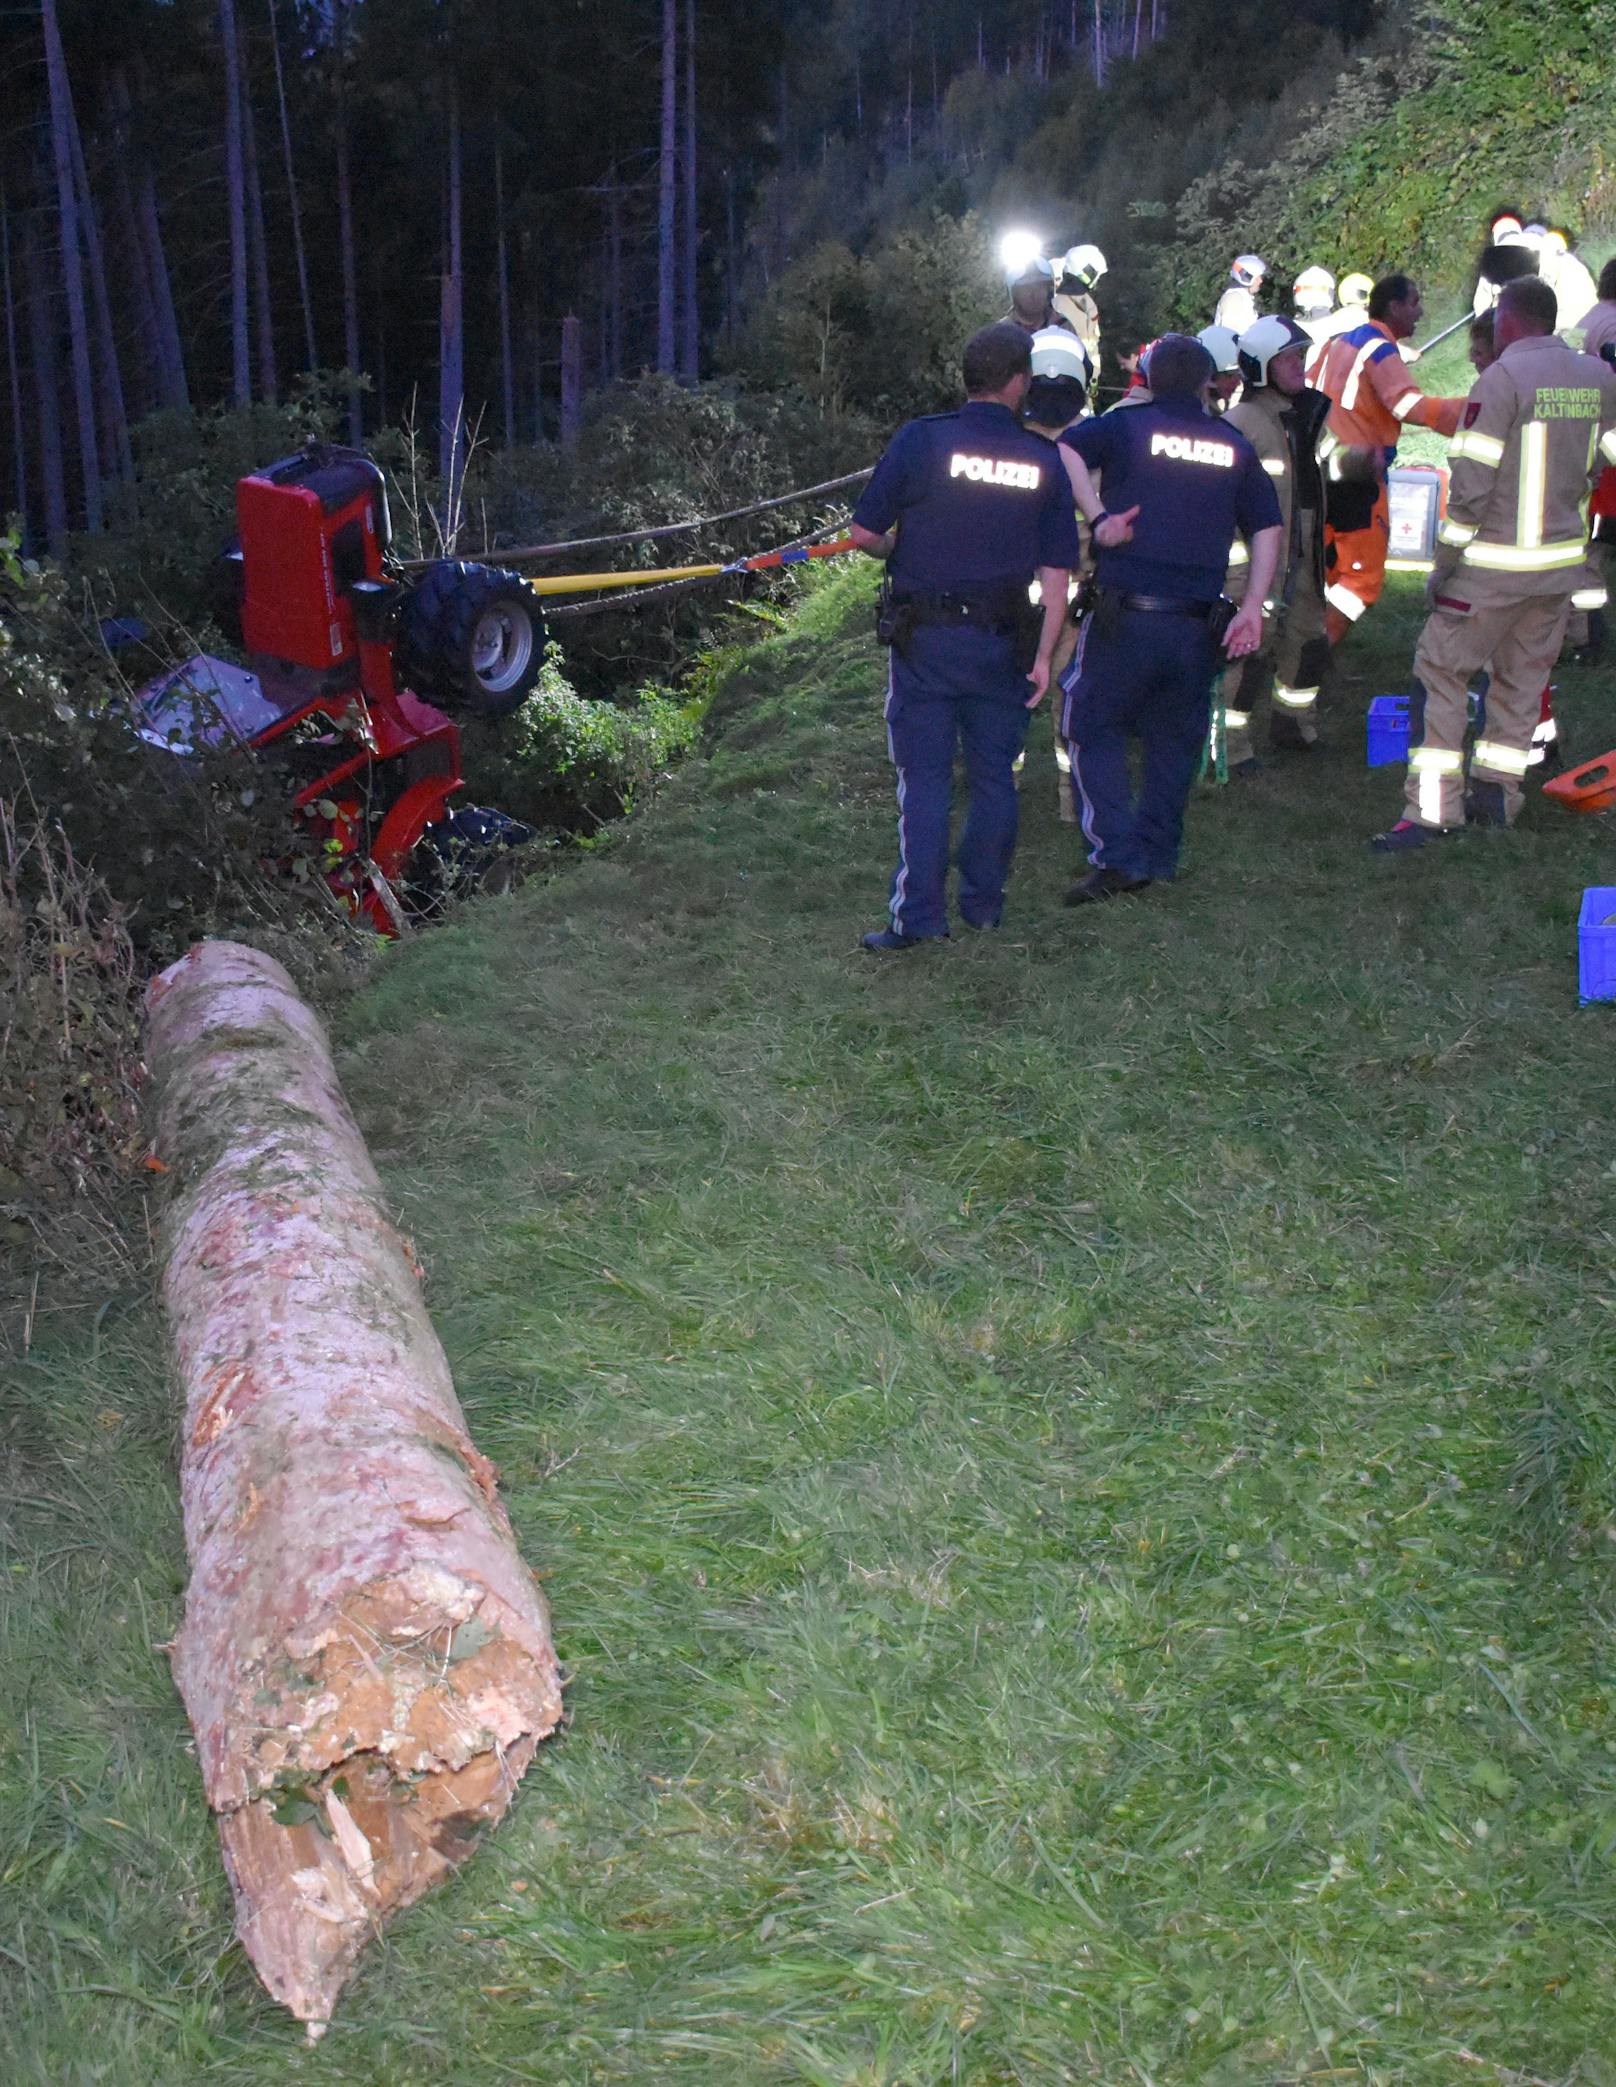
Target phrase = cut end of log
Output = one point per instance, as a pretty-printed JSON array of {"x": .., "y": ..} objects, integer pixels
[
  {"x": 387, "y": 1743},
  {"x": 310, "y": 1895}
]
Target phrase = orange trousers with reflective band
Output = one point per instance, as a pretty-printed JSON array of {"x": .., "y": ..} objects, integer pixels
[{"x": 1357, "y": 570}]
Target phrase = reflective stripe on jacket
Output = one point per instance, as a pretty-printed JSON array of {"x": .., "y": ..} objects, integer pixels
[
  {"x": 1278, "y": 428},
  {"x": 1539, "y": 425},
  {"x": 1372, "y": 396}
]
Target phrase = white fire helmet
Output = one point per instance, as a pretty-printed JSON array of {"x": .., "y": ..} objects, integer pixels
[
  {"x": 1082, "y": 265},
  {"x": 1248, "y": 270},
  {"x": 1036, "y": 270},
  {"x": 1314, "y": 294},
  {"x": 1263, "y": 340},
  {"x": 1057, "y": 353},
  {"x": 1507, "y": 222},
  {"x": 1535, "y": 236},
  {"x": 1220, "y": 343},
  {"x": 1355, "y": 288},
  {"x": 1555, "y": 242}
]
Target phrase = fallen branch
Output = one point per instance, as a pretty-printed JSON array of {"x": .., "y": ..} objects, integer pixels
[{"x": 365, "y": 1659}]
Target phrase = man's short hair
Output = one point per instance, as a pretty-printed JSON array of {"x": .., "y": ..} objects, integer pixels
[
  {"x": 1532, "y": 303},
  {"x": 1607, "y": 281},
  {"x": 1482, "y": 325},
  {"x": 1178, "y": 367},
  {"x": 1390, "y": 290},
  {"x": 994, "y": 356}
]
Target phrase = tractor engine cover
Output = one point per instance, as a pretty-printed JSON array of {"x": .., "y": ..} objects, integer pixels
[{"x": 310, "y": 526}]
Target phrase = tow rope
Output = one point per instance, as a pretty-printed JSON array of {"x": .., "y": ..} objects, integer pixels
[{"x": 765, "y": 561}]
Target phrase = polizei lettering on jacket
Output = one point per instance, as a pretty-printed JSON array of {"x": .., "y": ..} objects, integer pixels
[
  {"x": 996, "y": 471},
  {"x": 1191, "y": 449}
]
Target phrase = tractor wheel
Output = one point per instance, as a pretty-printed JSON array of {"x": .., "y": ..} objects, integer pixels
[{"x": 471, "y": 638}]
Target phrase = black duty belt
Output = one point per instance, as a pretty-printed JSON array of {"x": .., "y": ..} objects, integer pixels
[
  {"x": 1165, "y": 605},
  {"x": 998, "y": 618}
]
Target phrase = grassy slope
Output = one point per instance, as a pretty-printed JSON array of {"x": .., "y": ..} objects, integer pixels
[{"x": 1073, "y": 1470}]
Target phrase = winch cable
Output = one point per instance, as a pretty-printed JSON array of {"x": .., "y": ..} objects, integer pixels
[
  {"x": 524, "y": 552},
  {"x": 611, "y": 602}
]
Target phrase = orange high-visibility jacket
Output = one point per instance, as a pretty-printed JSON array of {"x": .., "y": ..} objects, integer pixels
[{"x": 1372, "y": 396}]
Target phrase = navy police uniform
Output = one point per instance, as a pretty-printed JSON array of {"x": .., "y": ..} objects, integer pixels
[
  {"x": 980, "y": 503},
  {"x": 1148, "y": 654}
]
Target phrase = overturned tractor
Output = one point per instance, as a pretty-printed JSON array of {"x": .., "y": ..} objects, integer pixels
[{"x": 356, "y": 674}]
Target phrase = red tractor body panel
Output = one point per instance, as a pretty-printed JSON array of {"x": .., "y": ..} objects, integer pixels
[{"x": 305, "y": 540}]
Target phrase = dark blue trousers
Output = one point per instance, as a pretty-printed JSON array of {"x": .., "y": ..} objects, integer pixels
[
  {"x": 1151, "y": 681},
  {"x": 954, "y": 688}
]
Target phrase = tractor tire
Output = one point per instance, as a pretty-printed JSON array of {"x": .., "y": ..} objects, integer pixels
[{"x": 471, "y": 639}]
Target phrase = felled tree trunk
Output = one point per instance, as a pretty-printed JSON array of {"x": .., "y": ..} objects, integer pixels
[{"x": 365, "y": 1659}]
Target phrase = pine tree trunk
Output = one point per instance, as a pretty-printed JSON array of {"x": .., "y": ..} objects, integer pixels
[
  {"x": 47, "y": 410},
  {"x": 117, "y": 459},
  {"x": 451, "y": 328},
  {"x": 1099, "y": 47},
  {"x": 235, "y": 182},
  {"x": 78, "y": 331},
  {"x": 690, "y": 357},
  {"x": 263, "y": 303},
  {"x": 311, "y": 352},
  {"x": 731, "y": 262},
  {"x": 150, "y": 392},
  {"x": 572, "y": 381},
  {"x": 667, "y": 188},
  {"x": 350, "y": 282},
  {"x": 170, "y": 348},
  {"x": 507, "y": 369},
  {"x": 614, "y": 238},
  {"x": 19, "y": 443},
  {"x": 365, "y": 1659}
]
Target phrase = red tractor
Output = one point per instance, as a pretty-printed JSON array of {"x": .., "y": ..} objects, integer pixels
[{"x": 353, "y": 669}]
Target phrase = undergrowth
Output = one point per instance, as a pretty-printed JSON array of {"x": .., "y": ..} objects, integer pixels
[{"x": 1074, "y": 1470}]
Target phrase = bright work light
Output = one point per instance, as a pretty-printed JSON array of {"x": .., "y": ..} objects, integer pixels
[{"x": 1018, "y": 249}]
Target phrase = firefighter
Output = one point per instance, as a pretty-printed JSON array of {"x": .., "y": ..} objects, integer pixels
[
  {"x": 968, "y": 507},
  {"x": 1282, "y": 419},
  {"x": 1149, "y": 650},
  {"x": 1313, "y": 299},
  {"x": 1237, "y": 307},
  {"x": 1371, "y": 397},
  {"x": 1224, "y": 349},
  {"x": 1511, "y": 554},
  {"x": 1567, "y": 276},
  {"x": 1032, "y": 296},
  {"x": 1352, "y": 311},
  {"x": 1081, "y": 268},
  {"x": 1061, "y": 377}
]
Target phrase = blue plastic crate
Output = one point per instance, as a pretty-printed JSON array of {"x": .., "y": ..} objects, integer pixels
[
  {"x": 1388, "y": 730},
  {"x": 1596, "y": 944}
]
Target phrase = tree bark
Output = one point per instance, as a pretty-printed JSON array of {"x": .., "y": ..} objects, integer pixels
[
  {"x": 42, "y": 352},
  {"x": 690, "y": 342},
  {"x": 117, "y": 458},
  {"x": 451, "y": 328},
  {"x": 365, "y": 1660},
  {"x": 350, "y": 281},
  {"x": 1099, "y": 47},
  {"x": 502, "y": 262},
  {"x": 667, "y": 188},
  {"x": 19, "y": 444},
  {"x": 150, "y": 391},
  {"x": 170, "y": 348},
  {"x": 572, "y": 380},
  {"x": 78, "y": 332},
  {"x": 263, "y": 303},
  {"x": 311, "y": 352},
  {"x": 235, "y": 181}
]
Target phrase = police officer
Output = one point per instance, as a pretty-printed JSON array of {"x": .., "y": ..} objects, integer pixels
[
  {"x": 1510, "y": 556},
  {"x": 1282, "y": 419},
  {"x": 967, "y": 506},
  {"x": 1175, "y": 486}
]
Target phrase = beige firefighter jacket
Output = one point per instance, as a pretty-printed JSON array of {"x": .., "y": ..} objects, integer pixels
[
  {"x": 1536, "y": 430},
  {"x": 1077, "y": 309},
  {"x": 1259, "y": 414}
]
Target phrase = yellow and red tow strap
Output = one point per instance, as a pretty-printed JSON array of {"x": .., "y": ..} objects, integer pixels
[{"x": 765, "y": 561}]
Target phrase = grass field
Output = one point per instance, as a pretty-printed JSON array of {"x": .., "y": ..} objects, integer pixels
[{"x": 1076, "y": 1471}]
